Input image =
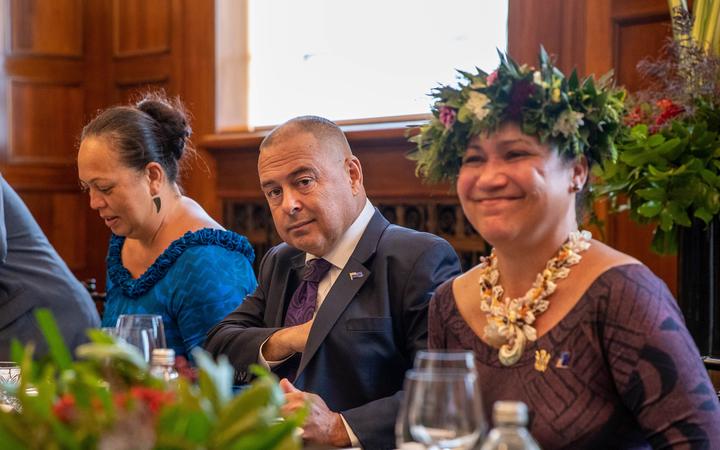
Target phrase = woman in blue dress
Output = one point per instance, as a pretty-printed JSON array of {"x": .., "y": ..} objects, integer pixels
[{"x": 167, "y": 256}]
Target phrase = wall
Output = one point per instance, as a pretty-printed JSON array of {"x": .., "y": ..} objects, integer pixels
[{"x": 62, "y": 61}]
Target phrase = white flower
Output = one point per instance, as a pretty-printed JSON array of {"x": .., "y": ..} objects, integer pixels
[
  {"x": 497, "y": 291},
  {"x": 530, "y": 332},
  {"x": 537, "y": 79},
  {"x": 476, "y": 104},
  {"x": 567, "y": 123}
]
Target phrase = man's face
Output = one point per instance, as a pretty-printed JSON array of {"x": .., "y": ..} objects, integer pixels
[{"x": 311, "y": 188}]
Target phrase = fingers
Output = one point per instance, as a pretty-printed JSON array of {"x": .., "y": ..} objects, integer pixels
[
  {"x": 294, "y": 399},
  {"x": 287, "y": 386}
]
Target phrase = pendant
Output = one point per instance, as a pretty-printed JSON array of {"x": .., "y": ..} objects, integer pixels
[{"x": 509, "y": 355}]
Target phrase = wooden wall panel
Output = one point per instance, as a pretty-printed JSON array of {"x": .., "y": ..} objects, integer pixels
[
  {"x": 131, "y": 92},
  {"x": 57, "y": 213},
  {"x": 635, "y": 39},
  {"x": 62, "y": 62},
  {"x": 46, "y": 27},
  {"x": 559, "y": 25},
  {"x": 141, "y": 27},
  {"x": 46, "y": 120}
]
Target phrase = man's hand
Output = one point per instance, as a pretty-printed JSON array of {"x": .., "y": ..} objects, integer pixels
[
  {"x": 321, "y": 425},
  {"x": 287, "y": 341}
]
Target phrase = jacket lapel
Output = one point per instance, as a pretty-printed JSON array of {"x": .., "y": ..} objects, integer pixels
[
  {"x": 351, "y": 279},
  {"x": 290, "y": 282}
]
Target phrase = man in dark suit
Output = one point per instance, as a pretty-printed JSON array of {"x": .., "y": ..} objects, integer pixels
[{"x": 348, "y": 354}]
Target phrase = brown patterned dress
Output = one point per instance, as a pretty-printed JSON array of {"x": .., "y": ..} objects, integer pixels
[{"x": 624, "y": 372}]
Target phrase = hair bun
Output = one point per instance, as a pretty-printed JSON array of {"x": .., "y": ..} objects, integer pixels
[{"x": 173, "y": 125}]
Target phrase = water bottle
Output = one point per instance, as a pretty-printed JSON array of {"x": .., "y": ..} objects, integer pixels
[
  {"x": 510, "y": 419},
  {"x": 163, "y": 364}
]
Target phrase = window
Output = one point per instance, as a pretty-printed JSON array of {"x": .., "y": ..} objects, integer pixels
[{"x": 350, "y": 59}]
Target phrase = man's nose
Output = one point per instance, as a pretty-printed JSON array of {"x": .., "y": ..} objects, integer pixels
[{"x": 291, "y": 203}]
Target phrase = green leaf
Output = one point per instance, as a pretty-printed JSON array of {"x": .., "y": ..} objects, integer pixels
[
  {"x": 703, "y": 214},
  {"x": 678, "y": 213},
  {"x": 664, "y": 242},
  {"x": 273, "y": 437},
  {"x": 58, "y": 350},
  {"x": 639, "y": 132},
  {"x": 666, "y": 220},
  {"x": 217, "y": 375},
  {"x": 654, "y": 193},
  {"x": 119, "y": 351},
  {"x": 655, "y": 140},
  {"x": 668, "y": 146},
  {"x": 650, "y": 209},
  {"x": 709, "y": 177}
]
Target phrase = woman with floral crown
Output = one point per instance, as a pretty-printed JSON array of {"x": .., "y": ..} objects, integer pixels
[{"x": 588, "y": 337}]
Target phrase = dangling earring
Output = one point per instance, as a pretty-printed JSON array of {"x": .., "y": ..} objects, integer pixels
[{"x": 157, "y": 202}]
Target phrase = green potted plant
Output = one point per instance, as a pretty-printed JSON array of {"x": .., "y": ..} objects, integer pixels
[
  {"x": 106, "y": 399},
  {"x": 667, "y": 171}
]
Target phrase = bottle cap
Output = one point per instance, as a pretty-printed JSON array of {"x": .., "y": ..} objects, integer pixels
[
  {"x": 163, "y": 356},
  {"x": 510, "y": 412}
]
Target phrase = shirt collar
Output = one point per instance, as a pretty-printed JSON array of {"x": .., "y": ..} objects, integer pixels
[{"x": 339, "y": 255}]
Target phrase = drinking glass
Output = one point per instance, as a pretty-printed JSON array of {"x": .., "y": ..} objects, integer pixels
[
  {"x": 444, "y": 409},
  {"x": 110, "y": 331},
  {"x": 433, "y": 361},
  {"x": 144, "y": 331},
  {"x": 9, "y": 375},
  {"x": 461, "y": 360},
  {"x": 403, "y": 439}
]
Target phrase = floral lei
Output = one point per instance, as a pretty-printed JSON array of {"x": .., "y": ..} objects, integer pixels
[
  {"x": 579, "y": 117},
  {"x": 510, "y": 320}
]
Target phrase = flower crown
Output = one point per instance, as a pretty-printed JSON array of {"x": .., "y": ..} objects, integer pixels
[{"x": 579, "y": 118}]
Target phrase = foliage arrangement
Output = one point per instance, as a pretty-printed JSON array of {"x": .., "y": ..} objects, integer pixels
[
  {"x": 107, "y": 400},
  {"x": 667, "y": 172},
  {"x": 577, "y": 116}
]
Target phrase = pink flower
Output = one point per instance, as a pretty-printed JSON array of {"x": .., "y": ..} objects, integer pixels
[
  {"x": 447, "y": 116},
  {"x": 491, "y": 78}
]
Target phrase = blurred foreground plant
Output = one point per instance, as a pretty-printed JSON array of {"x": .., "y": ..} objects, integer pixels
[{"x": 107, "y": 400}]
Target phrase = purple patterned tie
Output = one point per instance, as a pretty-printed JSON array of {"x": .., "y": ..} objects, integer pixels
[{"x": 304, "y": 300}]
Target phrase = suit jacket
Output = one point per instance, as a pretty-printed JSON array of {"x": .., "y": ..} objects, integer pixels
[
  {"x": 32, "y": 276},
  {"x": 366, "y": 331}
]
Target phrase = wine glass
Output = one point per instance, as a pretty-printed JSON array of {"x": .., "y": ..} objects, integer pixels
[
  {"x": 144, "y": 331},
  {"x": 9, "y": 376},
  {"x": 444, "y": 409},
  {"x": 403, "y": 439},
  {"x": 433, "y": 360}
]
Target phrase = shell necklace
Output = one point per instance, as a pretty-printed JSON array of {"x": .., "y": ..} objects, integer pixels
[{"x": 510, "y": 320}]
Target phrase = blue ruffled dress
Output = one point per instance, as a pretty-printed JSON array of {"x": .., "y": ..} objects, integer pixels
[{"x": 197, "y": 281}]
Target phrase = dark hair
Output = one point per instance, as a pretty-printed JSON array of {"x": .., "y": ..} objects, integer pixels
[
  {"x": 155, "y": 129},
  {"x": 320, "y": 127}
]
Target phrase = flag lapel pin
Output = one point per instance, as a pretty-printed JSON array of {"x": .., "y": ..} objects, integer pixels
[{"x": 354, "y": 275}]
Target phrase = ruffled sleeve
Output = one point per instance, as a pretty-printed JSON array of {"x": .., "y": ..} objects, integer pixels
[{"x": 134, "y": 288}]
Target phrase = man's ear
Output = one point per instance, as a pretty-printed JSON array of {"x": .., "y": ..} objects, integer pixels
[
  {"x": 355, "y": 171},
  {"x": 155, "y": 175}
]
